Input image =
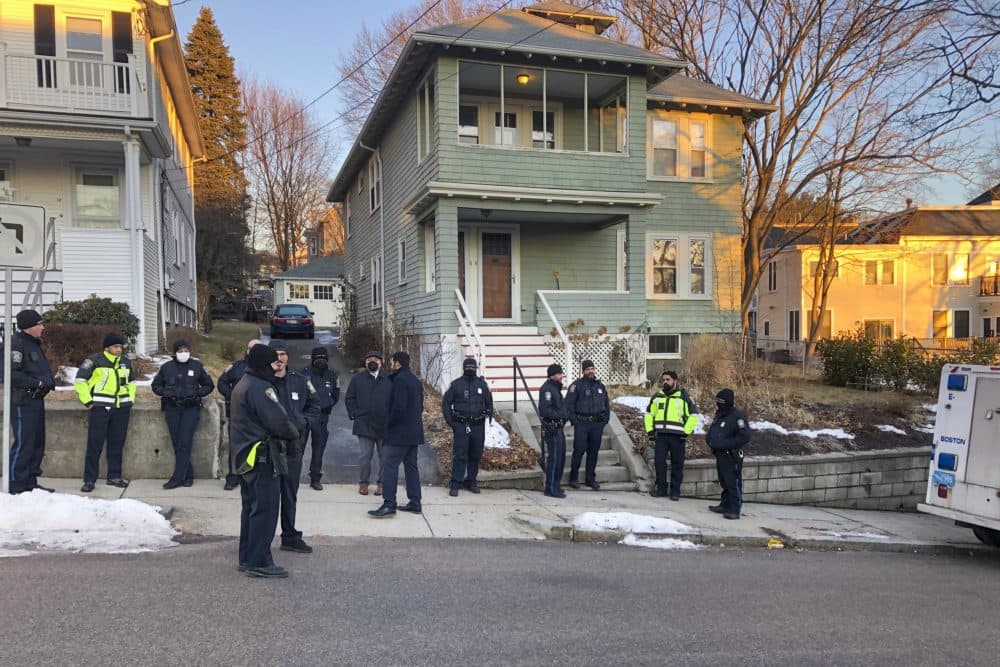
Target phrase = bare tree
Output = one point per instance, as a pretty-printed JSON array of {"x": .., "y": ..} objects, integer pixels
[
  {"x": 288, "y": 164},
  {"x": 366, "y": 66},
  {"x": 864, "y": 88}
]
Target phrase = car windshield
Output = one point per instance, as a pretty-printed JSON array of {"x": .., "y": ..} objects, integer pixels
[{"x": 293, "y": 311}]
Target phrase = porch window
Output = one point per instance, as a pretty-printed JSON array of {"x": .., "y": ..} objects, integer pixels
[
  {"x": 323, "y": 292},
  {"x": 879, "y": 330},
  {"x": 679, "y": 146},
  {"x": 97, "y": 198},
  {"x": 542, "y": 108},
  {"x": 85, "y": 49},
  {"x": 677, "y": 266},
  {"x": 666, "y": 346},
  {"x": 298, "y": 291}
]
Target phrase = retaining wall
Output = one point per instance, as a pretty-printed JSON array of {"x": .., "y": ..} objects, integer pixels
[
  {"x": 873, "y": 480},
  {"x": 148, "y": 453}
]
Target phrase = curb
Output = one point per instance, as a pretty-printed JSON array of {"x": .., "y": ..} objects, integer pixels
[{"x": 560, "y": 530}]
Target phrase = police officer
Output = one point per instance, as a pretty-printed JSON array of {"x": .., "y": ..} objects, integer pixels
[
  {"x": 105, "y": 385},
  {"x": 670, "y": 418},
  {"x": 260, "y": 430},
  {"x": 727, "y": 436},
  {"x": 466, "y": 405},
  {"x": 587, "y": 406},
  {"x": 227, "y": 381},
  {"x": 181, "y": 383},
  {"x": 30, "y": 379},
  {"x": 553, "y": 415},
  {"x": 404, "y": 433},
  {"x": 302, "y": 404},
  {"x": 324, "y": 379}
]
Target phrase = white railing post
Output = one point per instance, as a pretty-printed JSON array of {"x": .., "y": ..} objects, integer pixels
[
  {"x": 469, "y": 327},
  {"x": 569, "y": 370}
]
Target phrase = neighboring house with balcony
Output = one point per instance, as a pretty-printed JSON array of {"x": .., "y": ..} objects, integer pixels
[
  {"x": 524, "y": 186},
  {"x": 928, "y": 272},
  {"x": 98, "y": 126}
]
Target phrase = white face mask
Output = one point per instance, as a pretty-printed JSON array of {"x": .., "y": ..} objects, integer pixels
[{"x": 182, "y": 357}]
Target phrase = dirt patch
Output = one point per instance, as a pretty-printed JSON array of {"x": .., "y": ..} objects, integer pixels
[
  {"x": 438, "y": 434},
  {"x": 859, "y": 419}
]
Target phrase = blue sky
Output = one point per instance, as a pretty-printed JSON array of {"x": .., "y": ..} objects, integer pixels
[{"x": 297, "y": 44}]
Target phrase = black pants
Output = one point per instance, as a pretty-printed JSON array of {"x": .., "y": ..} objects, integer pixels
[
  {"x": 394, "y": 455},
  {"x": 319, "y": 432},
  {"x": 232, "y": 479},
  {"x": 110, "y": 424},
  {"x": 290, "y": 498},
  {"x": 555, "y": 460},
  {"x": 182, "y": 423},
  {"x": 28, "y": 448},
  {"x": 674, "y": 445},
  {"x": 259, "y": 516},
  {"x": 467, "y": 452},
  {"x": 586, "y": 439},
  {"x": 730, "y": 469}
]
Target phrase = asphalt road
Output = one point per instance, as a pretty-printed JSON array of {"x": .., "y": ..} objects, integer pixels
[
  {"x": 416, "y": 602},
  {"x": 340, "y": 460}
]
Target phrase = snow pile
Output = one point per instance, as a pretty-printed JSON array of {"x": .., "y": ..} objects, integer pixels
[
  {"x": 629, "y": 523},
  {"x": 640, "y": 403},
  {"x": 663, "y": 543},
  {"x": 40, "y": 521},
  {"x": 838, "y": 433},
  {"x": 889, "y": 428},
  {"x": 862, "y": 536},
  {"x": 930, "y": 407},
  {"x": 68, "y": 373},
  {"x": 497, "y": 436}
]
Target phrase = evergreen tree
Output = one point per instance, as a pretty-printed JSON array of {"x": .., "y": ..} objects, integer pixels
[{"x": 221, "y": 202}]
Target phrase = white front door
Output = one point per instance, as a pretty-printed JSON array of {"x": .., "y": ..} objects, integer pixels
[{"x": 489, "y": 272}]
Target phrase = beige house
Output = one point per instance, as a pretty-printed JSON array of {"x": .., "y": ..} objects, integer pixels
[{"x": 928, "y": 272}]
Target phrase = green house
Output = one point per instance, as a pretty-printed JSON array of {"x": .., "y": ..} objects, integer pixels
[{"x": 525, "y": 186}]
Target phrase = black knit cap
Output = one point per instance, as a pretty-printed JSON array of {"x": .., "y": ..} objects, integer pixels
[
  {"x": 671, "y": 374},
  {"x": 469, "y": 363},
  {"x": 113, "y": 338},
  {"x": 278, "y": 346},
  {"x": 725, "y": 397},
  {"x": 27, "y": 319},
  {"x": 319, "y": 353},
  {"x": 402, "y": 358},
  {"x": 261, "y": 357},
  {"x": 553, "y": 369},
  {"x": 373, "y": 353},
  {"x": 179, "y": 343}
]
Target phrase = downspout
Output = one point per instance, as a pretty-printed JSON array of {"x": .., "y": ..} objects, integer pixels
[
  {"x": 134, "y": 213},
  {"x": 381, "y": 232},
  {"x": 161, "y": 250}
]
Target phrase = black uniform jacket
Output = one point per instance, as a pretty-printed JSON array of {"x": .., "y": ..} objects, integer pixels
[
  {"x": 229, "y": 378},
  {"x": 299, "y": 398},
  {"x": 30, "y": 373},
  {"x": 182, "y": 385},
  {"x": 588, "y": 397},
  {"x": 326, "y": 386},
  {"x": 551, "y": 404},
  {"x": 467, "y": 400},
  {"x": 257, "y": 415},
  {"x": 729, "y": 431}
]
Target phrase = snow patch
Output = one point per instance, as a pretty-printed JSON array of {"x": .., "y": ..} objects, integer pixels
[
  {"x": 838, "y": 433},
  {"x": 889, "y": 428},
  {"x": 629, "y": 523},
  {"x": 662, "y": 543},
  {"x": 41, "y": 521},
  {"x": 640, "y": 403},
  {"x": 925, "y": 429},
  {"x": 863, "y": 536},
  {"x": 930, "y": 407},
  {"x": 497, "y": 436}
]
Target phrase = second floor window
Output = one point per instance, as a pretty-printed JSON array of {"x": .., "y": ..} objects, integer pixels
[
  {"x": 84, "y": 43},
  {"x": 953, "y": 272},
  {"x": 425, "y": 118},
  {"x": 880, "y": 272},
  {"x": 376, "y": 279},
  {"x": 375, "y": 182},
  {"x": 678, "y": 146},
  {"x": 772, "y": 277}
]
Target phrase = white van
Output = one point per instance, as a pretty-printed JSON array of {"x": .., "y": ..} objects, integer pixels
[{"x": 964, "y": 482}]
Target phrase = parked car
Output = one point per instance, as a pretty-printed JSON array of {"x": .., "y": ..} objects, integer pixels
[{"x": 292, "y": 319}]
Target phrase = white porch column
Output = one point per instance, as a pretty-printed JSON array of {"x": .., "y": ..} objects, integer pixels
[{"x": 133, "y": 223}]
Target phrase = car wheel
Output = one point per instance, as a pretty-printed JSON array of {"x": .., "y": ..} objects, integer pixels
[{"x": 987, "y": 535}]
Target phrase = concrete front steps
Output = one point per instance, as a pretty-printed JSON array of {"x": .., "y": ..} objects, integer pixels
[{"x": 502, "y": 344}]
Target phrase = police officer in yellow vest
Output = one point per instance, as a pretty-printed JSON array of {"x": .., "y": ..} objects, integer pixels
[
  {"x": 105, "y": 384},
  {"x": 670, "y": 418}
]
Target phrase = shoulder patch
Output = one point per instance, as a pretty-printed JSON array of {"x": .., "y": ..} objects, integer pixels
[
  {"x": 548, "y": 396},
  {"x": 16, "y": 356},
  {"x": 87, "y": 364},
  {"x": 741, "y": 423},
  {"x": 271, "y": 393}
]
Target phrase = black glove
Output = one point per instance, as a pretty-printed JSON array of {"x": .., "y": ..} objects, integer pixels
[
  {"x": 291, "y": 449},
  {"x": 651, "y": 435}
]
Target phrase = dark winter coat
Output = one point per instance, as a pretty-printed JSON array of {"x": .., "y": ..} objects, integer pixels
[
  {"x": 405, "y": 418},
  {"x": 257, "y": 414},
  {"x": 182, "y": 385},
  {"x": 366, "y": 401},
  {"x": 729, "y": 431}
]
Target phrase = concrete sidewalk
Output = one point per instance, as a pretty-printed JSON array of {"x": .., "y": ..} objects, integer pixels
[{"x": 339, "y": 511}]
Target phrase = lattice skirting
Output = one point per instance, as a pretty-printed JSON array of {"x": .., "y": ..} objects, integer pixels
[{"x": 618, "y": 359}]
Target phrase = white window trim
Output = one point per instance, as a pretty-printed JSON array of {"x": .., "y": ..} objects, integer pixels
[
  {"x": 425, "y": 133},
  {"x": 116, "y": 172},
  {"x": 667, "y": 355},
  {"x": 683, "y": 121},
  {"x": 683, "y": 265},
  {"x": 430, "y": 258},
  {"x": 322, "y": 287},
  {"x": 401, "y": 261},
  {"x": 621, "y": 259},
  {"x": 765, "y": 329},
  {"x": 292, "y": 297}
]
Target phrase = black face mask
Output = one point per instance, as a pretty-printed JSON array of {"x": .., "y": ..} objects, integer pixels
[
  {"x": 320, "y": 365},
  {"x": 372, "y": 366},
  {"x": 469, "y": 373}
]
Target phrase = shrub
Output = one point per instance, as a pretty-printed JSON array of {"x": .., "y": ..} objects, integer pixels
[
  {"x": 70, "y": 344},
  {"x": 357, "y": 340},
  {"x": 897, "y": 361},
  {"x": 191, "y": 336},
  {"x": 230, "y": 349},
  {"x": 97, "y": 311},
  {"x": 848, "y": 358}
]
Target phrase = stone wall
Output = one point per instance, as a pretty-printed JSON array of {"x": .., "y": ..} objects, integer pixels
[
  {"x": 874, "y": 480},
  {"x": 148, "y": 452}
]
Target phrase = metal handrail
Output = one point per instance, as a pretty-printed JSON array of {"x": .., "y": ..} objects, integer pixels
[
  {"x": 518, "y": 371},
  {"x": 568, "y": 370},
  {"x": 469, "y": 327}
]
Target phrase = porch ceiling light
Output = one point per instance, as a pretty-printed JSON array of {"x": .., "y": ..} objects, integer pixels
[{"x": 523, "y": 78}]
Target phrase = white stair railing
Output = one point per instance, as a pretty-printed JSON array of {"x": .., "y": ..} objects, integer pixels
[
  {"x": 568, "y": 370},
  {"x": 470, "y": 331}
]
